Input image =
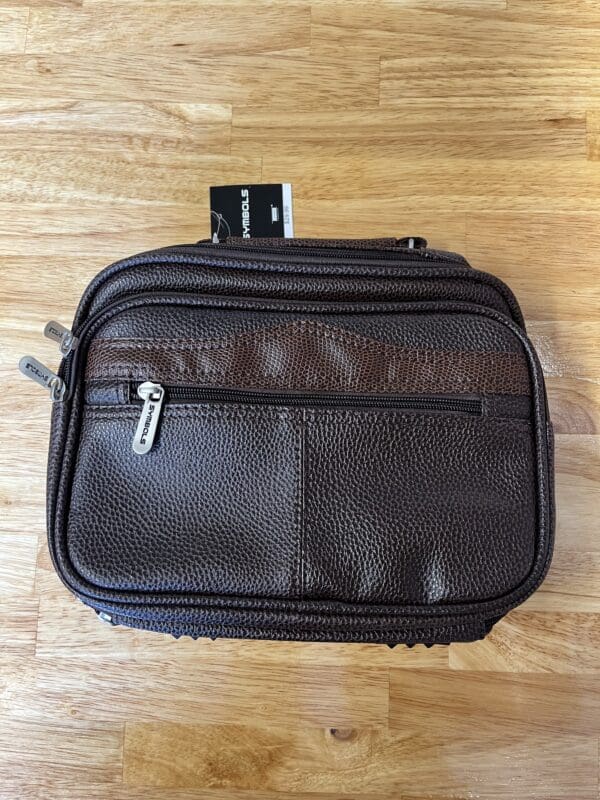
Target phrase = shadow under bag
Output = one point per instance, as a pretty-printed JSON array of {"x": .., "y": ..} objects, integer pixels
[{"x": 316, "y": 440}]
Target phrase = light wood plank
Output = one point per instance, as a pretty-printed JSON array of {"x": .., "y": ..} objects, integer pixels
[
  {"x": 572, "y": 584},
  {"x": 497, "y": 703},
  {"x": 28, "y": 3},
  {"x": 361, "y": 761},
  {"x": 409, "y": 34},
  {"x": 17, "y": 565},
  {"x": 161, "y": 691},
  {"x": 535, "y": 641},
  {"x": 330, "y": 6},
  {"x": 549, "y": 260},
  {"x": 593, "y": 135},
  {"x": 568, "y": 349},
  {"x": 63, "y": 236},
  {"x": 18, "y": 624},
  {"x": 293, "y": 80},
  {"x": 214, "y": 29},
  {"x": 65, "y": 125},
  {"x": 93, "y": 236},
  {"x": 573, "y": 12},
  {"x": 465, "y": 76},
  {"x": 151, "y": 179},
  {"x": 475, "y": 129},
  {"x": 22, "y": 456},
  {"x": 13, "y": 29},
  {"x": 95, "y": 791},
  {"x": 51, "y": 754},
  {"x": 574, "y": 405},
  {"x": 448, "y": 185},
  {"x": 578, "y": 493}
]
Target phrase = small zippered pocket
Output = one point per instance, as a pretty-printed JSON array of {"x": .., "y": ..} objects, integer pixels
[{"x": 154, "y": 395}]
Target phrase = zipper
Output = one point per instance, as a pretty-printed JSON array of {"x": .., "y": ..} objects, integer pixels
[
  {"x": 298, "y": 252},
  {"x": 154, "y": 395}
]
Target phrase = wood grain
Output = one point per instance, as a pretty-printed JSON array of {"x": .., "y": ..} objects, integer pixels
[
  {"x": 289, "y": 80},
  {"x": 89, "y": 753},
  {"x": 361, "y": 761},
  {"x": 64, "y": 126},
  {"x": 497, "y": 703},
  {"x": 226, "y": 28},
  {"x": 64, "y": 689},
  {"x": 18, "y": 625},
  {"x": 536, "y": 641},
  {"x": 503, "y": 184},
  {"x": 472, "y": 128},
  {"x": 475, "y": 123},
  {"x": 13, "y": 29},
  {"x": 408, "y": 35}
]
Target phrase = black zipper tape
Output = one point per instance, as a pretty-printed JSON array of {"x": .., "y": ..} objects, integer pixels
[{"x": 199, "y": 394}]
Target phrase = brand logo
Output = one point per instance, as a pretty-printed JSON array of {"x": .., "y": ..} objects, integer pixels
[
  {"x": 245, "y": 213},
  {"x": 37, "y": 372},
  {"x": 148, "y": 422}
]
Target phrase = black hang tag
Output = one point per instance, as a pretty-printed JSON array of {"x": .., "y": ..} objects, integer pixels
[{"x": 251, "y": 211}]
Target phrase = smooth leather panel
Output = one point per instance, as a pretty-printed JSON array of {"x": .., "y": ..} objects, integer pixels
[
  {"x": 213, "y": 507},
  {"x": 415, "y": 508}
]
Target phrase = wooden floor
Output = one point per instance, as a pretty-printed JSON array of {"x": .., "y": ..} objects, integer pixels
[{"x": 474, "y": 123}]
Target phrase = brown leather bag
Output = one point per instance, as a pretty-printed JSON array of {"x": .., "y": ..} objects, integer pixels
[{"x": 299, "y": 439}]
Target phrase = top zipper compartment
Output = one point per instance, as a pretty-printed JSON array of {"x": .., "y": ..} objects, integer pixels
[
  {"x": 387, "y": 257},
  {"x": 301, "y": 262}
]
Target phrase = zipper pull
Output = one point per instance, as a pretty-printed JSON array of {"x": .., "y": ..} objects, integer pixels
[
  {"x": 58, "y": 333},
  {"x": 34, "y": 369},
  {"x": 153, "y": 396},
  {"x": 412, "y": 242}
]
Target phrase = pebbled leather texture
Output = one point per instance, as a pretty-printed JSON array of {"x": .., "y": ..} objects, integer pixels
[
  {"x": 193, "y": 513},
  {"x": 384, "y": 243},
  {"x": 400, "y": 492}
]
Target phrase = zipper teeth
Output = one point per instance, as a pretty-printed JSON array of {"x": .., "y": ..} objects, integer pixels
[
  {"x": 192, "y": 394},
  {"x": 423, "y": 256}
]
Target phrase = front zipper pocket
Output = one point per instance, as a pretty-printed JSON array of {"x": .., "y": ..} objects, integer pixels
[
  {"x": 316, "y": 502},
  {"x": 153, "y": 395},
  {"x": 288, "y": 492}
]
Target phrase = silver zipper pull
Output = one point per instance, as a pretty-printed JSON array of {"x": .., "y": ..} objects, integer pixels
[
  {"x": 34, "y": 369},
  {"x": 153, "y": 396},
  {"x": 58, "y": 333}
]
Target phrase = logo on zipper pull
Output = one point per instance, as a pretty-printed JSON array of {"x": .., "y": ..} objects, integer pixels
[
  {"x": 151, "y": 408},
  {"x": 153, "y": 396}
]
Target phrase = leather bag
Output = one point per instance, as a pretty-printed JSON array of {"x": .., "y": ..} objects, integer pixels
[{"x": 317, "y": 440}]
